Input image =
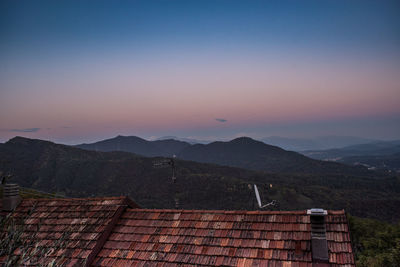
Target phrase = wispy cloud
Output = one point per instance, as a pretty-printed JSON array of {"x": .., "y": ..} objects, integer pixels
[
  {"x": 221, "y": 120},
  {"x": 25, "y": 130}
]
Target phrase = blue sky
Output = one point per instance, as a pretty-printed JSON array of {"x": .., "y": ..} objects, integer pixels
[{"x": 81, "y": 70}]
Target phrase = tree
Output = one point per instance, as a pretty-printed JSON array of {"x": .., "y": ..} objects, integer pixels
[{"x": 19, "y": 249}]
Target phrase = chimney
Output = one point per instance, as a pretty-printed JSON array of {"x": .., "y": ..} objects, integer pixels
[
  {"x": 11, "y": 198},
  {"x": 319, "y": 245}
]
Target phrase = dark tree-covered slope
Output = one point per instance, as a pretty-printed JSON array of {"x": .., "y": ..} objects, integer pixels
[
  {"x": 247, "y": 153},
  {"x": 242, "y": 152}
]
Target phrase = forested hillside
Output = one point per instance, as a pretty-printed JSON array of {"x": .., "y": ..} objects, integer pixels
[
  {"x": 242, "y": 152},
  {"x": 248, "y": 153}
]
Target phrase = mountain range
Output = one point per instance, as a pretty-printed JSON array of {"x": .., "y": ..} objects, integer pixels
[
  {"x": 316, "y": 143},
  {"x": 75, "y": 172},
  {"x": 242, "y": 152},
  {"x": 248, "y": 153},
  {"x": 187, "y": 140},
  {"x": 137, "y": 145}
]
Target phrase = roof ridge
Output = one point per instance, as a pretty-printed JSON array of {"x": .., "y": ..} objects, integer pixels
[
  {"x": 233, "y": 212},
  {"x": 105, "y": 235},
  {"x": 297, "y": 212},
  {"x": 76, "y": 198}
]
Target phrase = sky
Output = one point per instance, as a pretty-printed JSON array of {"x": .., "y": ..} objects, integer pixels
[{"x": 81, "y": 71}]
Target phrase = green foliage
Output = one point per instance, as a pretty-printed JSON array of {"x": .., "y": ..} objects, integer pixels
[
  {"x": 375, "y": 243},
  {"x": 32, "y": 193}
]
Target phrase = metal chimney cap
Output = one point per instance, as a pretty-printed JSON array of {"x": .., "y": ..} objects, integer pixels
[
  {"x": 317, "y": 212},
  {"x": 10, "y": 185},
  {"x": 11, "y": 198}
]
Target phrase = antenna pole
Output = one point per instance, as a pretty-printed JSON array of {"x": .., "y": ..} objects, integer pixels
[
  {"x": 173, "y": 169},
  {"x": 169, "y": 163},
  {"x": 176, "y": 198}
]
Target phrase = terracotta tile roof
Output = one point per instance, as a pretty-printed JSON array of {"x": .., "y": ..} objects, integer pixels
[
  {"x": 116, "y": 232},
  {"x": 87, "y": 223},
  {"x": 230, "y": 238}
]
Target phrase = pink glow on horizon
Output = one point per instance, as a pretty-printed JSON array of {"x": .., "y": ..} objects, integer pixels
[{"x": 192, "y": 94}]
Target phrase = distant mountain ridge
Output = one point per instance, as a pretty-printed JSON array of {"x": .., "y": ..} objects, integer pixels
[
  {"x": 137, "y": 145},
  {"x": 242, "y": 152},
  {"x": 183, "y": 139},
  {"x": 248, "y": 153},
  {"x": 317, "y": 143}
]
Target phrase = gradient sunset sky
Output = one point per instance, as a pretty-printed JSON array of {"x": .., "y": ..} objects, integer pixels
[{"x": 80, "y": 71}]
